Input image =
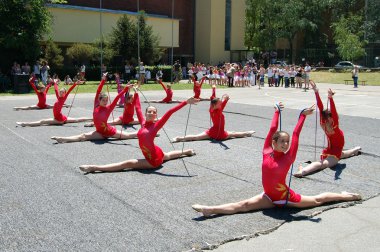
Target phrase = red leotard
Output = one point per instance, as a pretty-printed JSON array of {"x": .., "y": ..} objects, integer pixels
[
  {"x": 169, "y": 93},
  {"x": 148, "y": 131},
  {"x": 197, "y": 87},
  {"x": 101, "y": 114},
  {"x": 217, "y": 130},
  {"x": 276, "y": 165},
  {"x": 59, "y": 103},
  {"x": 40, "y": 95},
  {"x": 335, "y": 136},
  {"x": 129, "y": 111}
]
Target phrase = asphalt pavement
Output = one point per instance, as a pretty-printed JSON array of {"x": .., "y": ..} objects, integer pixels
[{"x": 47, "y": 203}]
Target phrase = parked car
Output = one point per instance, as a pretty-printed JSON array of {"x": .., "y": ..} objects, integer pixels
[{"x": 346, "y": 64}]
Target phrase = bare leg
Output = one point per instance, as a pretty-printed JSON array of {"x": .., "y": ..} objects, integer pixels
[
  {"x": 128, "y": 164},
  {"x": 233, "y": 134},
  {"x": 317, "y": 200},
  {"x": 201, "y": 136},
  {"x": 255, "y": 203},
  {"x": 94, "y": 135},
  {"x": 328, "y": 162},
  {"x": 76, "y": 120},
  {"x": 177, "y": 154},
  {"x": 49, "y": 121},
  {"x": 124, "y": 135},
  {"x": 350, "y": 153}
]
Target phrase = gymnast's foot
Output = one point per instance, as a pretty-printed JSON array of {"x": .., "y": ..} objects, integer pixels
[
  {"x": 87, "y": 168},
  {"x": 201, "y": 209},
  {"x": 58, "y": 139},
  {"x": 21, "y": 124},
  {"x": 299, "y": 173},
  {"x": 355, "y": 196}
]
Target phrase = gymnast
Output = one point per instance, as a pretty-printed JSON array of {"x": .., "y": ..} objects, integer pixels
[
  {"x": 41, "y": 91},
  {"x": 169, "y": 94},
  {"x": 59, "y": 118},
  {"x": 102, "y": 111},
  {"x": 154, "y": 156},
  {"x": 329, "y": 121},
  {"x": 277, "y": 159},
  {"x": 217, "y": 131},
  {"x": 198, "y": 87}
]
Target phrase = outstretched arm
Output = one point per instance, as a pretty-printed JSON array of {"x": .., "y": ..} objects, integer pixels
[
  {"x": 334, "y": 113},
  {"x": 56, "y": 90},
  {"x": 114, "y": 102},
  {"x": 70, "y": 89},
  {"x": 160, "y": 123},
  {"x": 273, "y": 128},
  {"x": 225, "y": 100},
  {"x": 139, "y": 114},
  {"x": 31, "y": 82},
  {"x": 297, "y": 131},
  {"x": 100, "y": 87},
  {"x": 163, "y": 85}
]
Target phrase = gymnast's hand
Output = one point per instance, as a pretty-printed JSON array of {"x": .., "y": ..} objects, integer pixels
[
  {"x": 308, "y": 111},
  {"x": 192, "y": 100},
  {"x": 279, "y": 106}
]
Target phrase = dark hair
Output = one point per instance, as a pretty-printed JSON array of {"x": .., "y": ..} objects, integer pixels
[
  {"x": 277, "y": 135},
  {"x": 326, "y": 114},
  {"x": 215, "y": 101}
]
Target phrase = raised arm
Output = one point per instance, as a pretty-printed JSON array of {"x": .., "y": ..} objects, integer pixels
[
  {"x": 70, "y": 89},
  {"x": 48, "y": 87},
  {"x": 224, "y": 102},
  {"x": 140, "y": 115},
  {"x": 160, "y": 123},
  {"x": 296, "y": 132},
  {"x": 100, "y": 87},
  {"x": 56, "y": 90},
  {"x": 273, "y": 128},
  {"x": 334, "y": 113},
  {"x": 31, "y": 82},
  {"x": 163, "y": 85},
  {"x": 114, "y": 102}
]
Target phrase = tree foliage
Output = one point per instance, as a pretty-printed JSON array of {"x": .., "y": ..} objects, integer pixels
[
  {"x": 81, "y": 53},
  {"x": 347, "y": 35},
  {"x": 124, "y": 42},
  {"x": 53, "y": 54}
]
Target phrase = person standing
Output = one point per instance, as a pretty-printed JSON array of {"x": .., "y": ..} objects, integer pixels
[
  {"x": 25, "y": 68},
  {"x": 141, "y": 74},
  {"x": 44, "y": 72},
  {"x": 355, "y": 76},
  {"x": 36, "y": 70},
  {"x": 127, "y": 70},
  {"x": 307, "y": 75}
]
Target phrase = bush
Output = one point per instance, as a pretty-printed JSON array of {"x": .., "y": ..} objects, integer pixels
[{"x": 332, "y": 70}]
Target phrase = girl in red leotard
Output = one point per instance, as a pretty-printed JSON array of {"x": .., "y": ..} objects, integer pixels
[
  {"x": 127, "y": 117},
  {"x": 169, "y": 94},
  {"x": 217, "y": 131},
  {"x": 102, "y": 111},
  {"x": 277, "y": 158},
  {"x": 59, "y": 118},
  {"x": 329, "y": 121},
  {"x": 41, "y": 92},
  {"x": 197, "y": 87},
  {"x": 153, "y": 154}
]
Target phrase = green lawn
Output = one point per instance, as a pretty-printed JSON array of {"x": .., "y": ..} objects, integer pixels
[{"x": 372, "y": 78}]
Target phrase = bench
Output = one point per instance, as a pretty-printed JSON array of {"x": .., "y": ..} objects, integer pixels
[{"x": 362, "y": 82}]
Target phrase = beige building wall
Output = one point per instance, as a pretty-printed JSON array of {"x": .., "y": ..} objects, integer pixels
[
  {"x": 210, "y": 30},
  {"x": 75, "y": 25}
]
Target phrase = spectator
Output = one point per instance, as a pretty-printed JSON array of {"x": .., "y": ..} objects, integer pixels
[
  {"x": 127, "y": 71},
  {"x": 37, "y": 70},
  {"x": 307, "y": 75},
  {"x": 68, "y": 80},
  {"x": 44, "y": 72},
  {"x": 141, "y": 74},
  {"x": 177, "y": 71},
  {"x": 25, "y": 68},
  {"x": 159, "y": 75},
  {"x": 355, "y": 75},
  {"x": 83, "y": 72},
  {"x": 148, "y": 75}
]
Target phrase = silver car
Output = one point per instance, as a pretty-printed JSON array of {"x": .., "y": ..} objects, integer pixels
[{"x": 346, "y": 64}]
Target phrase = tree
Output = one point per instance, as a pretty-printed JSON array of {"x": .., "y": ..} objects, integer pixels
[
  {"x": 349, "y": 37},
  {"x": 53, "y": 54},
  {"x": 123, "y": 40},
  {"x": 80, "y": 53},
  {"x": 23, "y": 25}
]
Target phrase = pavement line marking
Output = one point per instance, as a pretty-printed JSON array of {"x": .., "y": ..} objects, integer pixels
[{"x": 16, "y": 133}]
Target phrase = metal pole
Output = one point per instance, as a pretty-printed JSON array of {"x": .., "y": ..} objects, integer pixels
[
  {"x": 365, "y": 29},
  {"x": 101, "y": 38},
  {"x": 172, "y": 56},
  {"x": 138, "y": 33}
]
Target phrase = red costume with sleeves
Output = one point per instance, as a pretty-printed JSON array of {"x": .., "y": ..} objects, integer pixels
[
  {"x": 101, "y": 114},
  {"x": 213, "y": 95},
  {"x": 197, "y": 87},
  {"x": 276, "y": 165},
  {"x": 59, "y": 103},
  {"x": 41, "y": 95},
  {"x": 335, "y": 136},
  {"x": 217, "y": 130},
  {"x": 148, "y": 131},
  {"x": 129, "y": 111},
  {"x": 169, "y": 93}
]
